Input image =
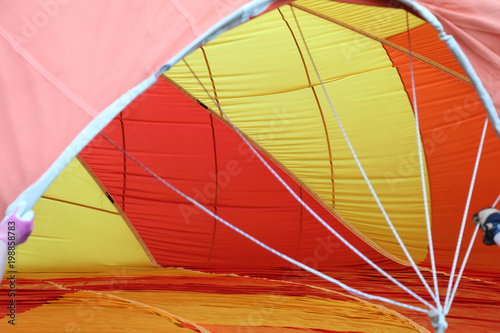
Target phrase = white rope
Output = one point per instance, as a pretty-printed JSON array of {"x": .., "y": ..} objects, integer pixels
[
  {"x": 496, "y": 202},
  {"x": 261, "y": 244},
  {"x": 422, "y": 174},
  {"x": 384, "y": 213},
  {"x": 455, "y": 287},
  {"x": 447, "y": 302},
  {"x": 356, "y": 251},
  {"x": 469, "y": 249},
  {"x": 309, "y": 209}
]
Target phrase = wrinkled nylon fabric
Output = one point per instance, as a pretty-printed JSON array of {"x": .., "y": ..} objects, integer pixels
[
  {"x": 451, "y": 125},
  {"x": 226, "y": 301},
  {"x": 175, "y": 134},
  {"x": 474, "y": 25},
  {"x": 176, "y": 298},
  {"x": 67, "y": 91},
  {"x": 281, "y": 107},
  {"x": 56, "y": 53}
]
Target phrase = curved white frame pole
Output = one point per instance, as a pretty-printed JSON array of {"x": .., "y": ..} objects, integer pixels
[
  {"x": 31, "y": 194},
  {"x": 462, "y": 60}
]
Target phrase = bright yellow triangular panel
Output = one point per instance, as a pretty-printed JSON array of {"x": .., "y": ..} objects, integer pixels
[{"x": 77, "y": 228}]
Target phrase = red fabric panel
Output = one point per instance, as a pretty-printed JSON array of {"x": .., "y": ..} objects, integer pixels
[
  {"x": 185, "y": 145},
  {"x": 64, "y": 62},
  {"x": 451, "y": 119},
  {"x": 28, "y": 294}
]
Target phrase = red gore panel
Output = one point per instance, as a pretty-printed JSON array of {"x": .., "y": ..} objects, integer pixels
[{"x": 203, "y": 157}]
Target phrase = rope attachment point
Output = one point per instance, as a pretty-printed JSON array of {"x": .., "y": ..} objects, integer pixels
[{"x": 438, "y": 321}]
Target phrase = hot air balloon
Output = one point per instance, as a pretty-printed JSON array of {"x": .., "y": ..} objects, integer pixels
[{"x": 250, "y": 166}]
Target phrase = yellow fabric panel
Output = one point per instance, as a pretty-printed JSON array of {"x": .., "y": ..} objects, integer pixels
[
  {"x": 77, "y": 228},
  {"x": 384, "y": 140},
  {"x": 269, "y": 110},
  {"x": 198, "y": 61},
  {"x": 261, "y": 57},
  {"x": 382, "y": 22},
  {"x": 285, "y": 124},
  {"x": 89, "y": 312},
  {"x": 272, "y": 310},
  {"x": 117, "y": 272},
  {"x": 264, "y": 85},
  {"x": 240, "y": 60}
]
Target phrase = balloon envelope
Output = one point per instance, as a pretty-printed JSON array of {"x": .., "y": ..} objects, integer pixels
[{"x": 107, "y": 228}]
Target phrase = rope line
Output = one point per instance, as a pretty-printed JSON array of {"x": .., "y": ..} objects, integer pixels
[
  {"x": 309, "y": 209},
  {"x": 469, "y": 249},
  {"x": 455, "y": 287},
  {"x": 388, "y": 276},
  {"x": 261, "y": 244},
  {"x": 447, "y": 302},
  {"x": 422, "y": 173},
  {"x": 384, "y": 213}
]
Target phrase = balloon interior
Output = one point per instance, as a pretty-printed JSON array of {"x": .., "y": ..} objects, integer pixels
[{"x": 250, "y": 166}]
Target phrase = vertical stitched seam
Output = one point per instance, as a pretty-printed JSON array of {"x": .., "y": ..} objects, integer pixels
[
  {"x": 330, "y": 158},
  {"x": 211, "y": 77},
  {"x": 216, "y": 186}
]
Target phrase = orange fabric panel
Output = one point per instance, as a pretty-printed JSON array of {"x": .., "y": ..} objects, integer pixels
[
  {"x": 83, "y": 307},
  {"x": 263, "y": 329},
  {"x": 476, "y": 297},
  {"x": 424, "y": 42},
  {"x": 248, "y": 301},
  {"x": 451, "y": 120},
  {"x": 474, "y": 25},
  {"x": 87, "y": 312}
]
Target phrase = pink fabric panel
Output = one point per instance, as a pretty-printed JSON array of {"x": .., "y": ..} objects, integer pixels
[
  {"x": 90, "y": 53},
  {"x": 475, "y": 24},
  {"x": 36, "y": 123}
]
